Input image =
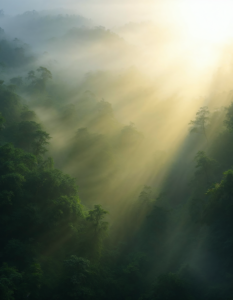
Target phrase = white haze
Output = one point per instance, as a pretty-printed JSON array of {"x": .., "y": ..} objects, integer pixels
[{"x": 156, "y": 62}]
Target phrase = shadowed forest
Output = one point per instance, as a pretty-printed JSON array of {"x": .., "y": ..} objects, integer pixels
[{"x": 116, "y": 177}]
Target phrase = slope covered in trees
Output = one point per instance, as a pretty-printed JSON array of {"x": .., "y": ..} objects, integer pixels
[{"x": 95, "y": 207}]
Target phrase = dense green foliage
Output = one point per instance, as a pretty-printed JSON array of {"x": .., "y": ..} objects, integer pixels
[{"x": 125, "y": 240}]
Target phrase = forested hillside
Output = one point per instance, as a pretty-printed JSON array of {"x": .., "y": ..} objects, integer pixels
[{"x": 110, "y": 187}]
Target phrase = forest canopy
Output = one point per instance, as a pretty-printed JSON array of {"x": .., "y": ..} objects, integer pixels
[{"x": 116, "y": 165}]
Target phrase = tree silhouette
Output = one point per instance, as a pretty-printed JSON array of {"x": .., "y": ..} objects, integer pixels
[
  {"x": 199, "y": 124},
  {"x": 229, "y": 117}
]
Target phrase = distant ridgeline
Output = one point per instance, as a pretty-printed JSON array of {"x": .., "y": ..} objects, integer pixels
[
  {"x": 37, "y": 27},
  {"x": 13, "y": 53},
  {"x": 173, "y": 240}
]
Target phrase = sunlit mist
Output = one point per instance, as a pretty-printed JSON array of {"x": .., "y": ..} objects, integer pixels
[
  {"x": 116, "y": 149},
  {"x": 156, "y": 63}
]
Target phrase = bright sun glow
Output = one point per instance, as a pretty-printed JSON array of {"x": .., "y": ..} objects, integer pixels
[{"x": 209, "y": 20}]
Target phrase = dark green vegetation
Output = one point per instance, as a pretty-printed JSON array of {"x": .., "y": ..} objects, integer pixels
[{"x": 124, "y": 239}]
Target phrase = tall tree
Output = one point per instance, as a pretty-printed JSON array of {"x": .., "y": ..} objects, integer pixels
[
  {"x": 205, "y": 166},
  {"x": 200, "y": 122},
  {"x": 229, "y": 117}
]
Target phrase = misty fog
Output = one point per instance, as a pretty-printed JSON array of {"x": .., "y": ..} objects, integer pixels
[{"x": 133, "y": 100}]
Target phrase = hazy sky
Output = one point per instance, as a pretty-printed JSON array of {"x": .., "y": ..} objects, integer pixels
[
  {"x": 17, "y": 6},
  {"x": 205, "y": 19},
  {"x": 102, "y": 11}
]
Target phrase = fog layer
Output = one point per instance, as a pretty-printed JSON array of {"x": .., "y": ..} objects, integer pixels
[{"x": 133, "y": 100}]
